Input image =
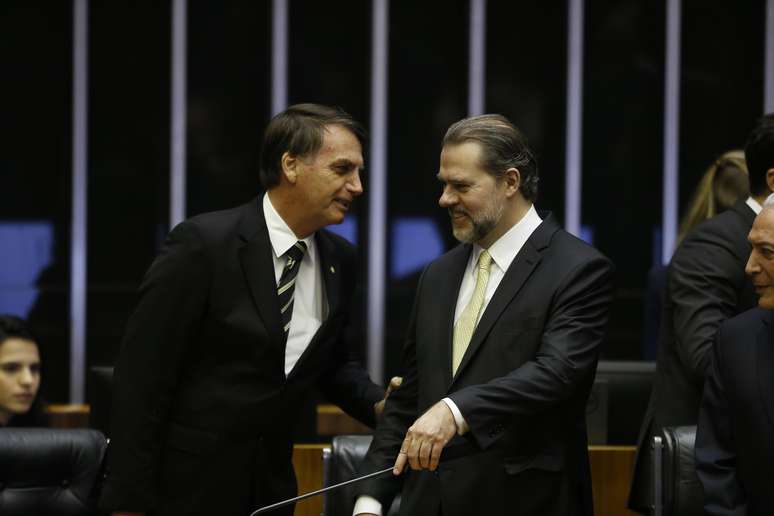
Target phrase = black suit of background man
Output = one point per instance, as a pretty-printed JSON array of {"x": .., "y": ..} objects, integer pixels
[
  {"x": 705, "y": 285},
  {"x": 203, "y": 411},
  {"x": 734, "y": 445}
]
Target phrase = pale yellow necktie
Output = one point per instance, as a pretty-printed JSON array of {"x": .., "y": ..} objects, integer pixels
[{"x": 466, "y": 324}]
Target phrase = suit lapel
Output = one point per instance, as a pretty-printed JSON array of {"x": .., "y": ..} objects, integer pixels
[
  {"x": 330, "y": 271},
  {"x": 765, "y": 361},
  {"x": 256, "y": 259},
  {"x": 515, "y": 277}
]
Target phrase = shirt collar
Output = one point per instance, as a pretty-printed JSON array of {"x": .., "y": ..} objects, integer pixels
[
  {"x": 505, "y": 249},
  {"x": 754, "y": 205},
  {"x": 281, "y": 236}
]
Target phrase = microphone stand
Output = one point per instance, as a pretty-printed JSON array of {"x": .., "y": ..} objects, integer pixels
[{"x": 289, "y": 501}]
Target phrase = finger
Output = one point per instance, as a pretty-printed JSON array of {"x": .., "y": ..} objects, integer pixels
[
  {"x": 435, "y": 457},
  {"x": 400, "y": 464},
  {"x": 413, "y": 453},
  {"x": 424, "y": 454}
]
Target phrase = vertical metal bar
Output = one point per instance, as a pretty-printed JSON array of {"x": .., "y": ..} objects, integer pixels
[
  {"x": 671, "y": 129},
  {"x": 768, "y": 88},
  {"x": 79, "y": 201},
  {"x": 177, "y": 152},
  {"x": 279, "y": 56},
  {"x": 574, "y": 135},
  {"x": 477, "y": 63},
  {"x": 377, "y": 196}
]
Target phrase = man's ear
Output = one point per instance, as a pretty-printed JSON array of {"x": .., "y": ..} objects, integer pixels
[
  {"x": 770, "y": 179},
  {"x": 512, "y": 178},
  {"x": 289, "y": 167}
]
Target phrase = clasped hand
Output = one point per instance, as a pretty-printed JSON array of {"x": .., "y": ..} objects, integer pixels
[{"x": 425, "y": 439}]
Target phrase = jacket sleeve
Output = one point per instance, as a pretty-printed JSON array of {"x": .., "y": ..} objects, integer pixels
[
  {"x": 715, "y": 456},
  {"x": 703, "y": 285},
  {"x": 565, "y": 358},
  {"x": 400, "y": 411},
  {"x": 172, "y": 299}
]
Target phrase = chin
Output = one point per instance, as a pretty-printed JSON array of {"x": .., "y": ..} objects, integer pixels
[{"x": 766, "y": 302}]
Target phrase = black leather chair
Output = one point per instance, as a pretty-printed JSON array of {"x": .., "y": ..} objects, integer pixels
[
  {"x": 50, "y": 472},
  {"x": 628, "y": 385},
  {"x": 677, "y": 491},
  {"x": 341, "y": 462}
]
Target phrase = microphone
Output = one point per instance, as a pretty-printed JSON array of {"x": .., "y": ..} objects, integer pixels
[{"x": 289, "y": 501}]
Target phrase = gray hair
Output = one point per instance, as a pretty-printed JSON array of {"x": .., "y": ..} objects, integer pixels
[{"x": 503, "y": 146}]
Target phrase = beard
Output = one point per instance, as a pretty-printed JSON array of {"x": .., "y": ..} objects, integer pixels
[{"x": 477, "y": 226}]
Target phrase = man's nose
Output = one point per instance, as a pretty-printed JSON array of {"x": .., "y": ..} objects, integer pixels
[
  {"x": 354, "y": 185},
  {"x": 752, "y": 266},
  {"x": 447, "y": 199},
  {"x": 25, "y": 376}
]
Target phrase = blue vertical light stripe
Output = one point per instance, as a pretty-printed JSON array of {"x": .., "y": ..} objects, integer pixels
[
  {"x": 279, "y": 56},
  {"x": 574, "y": 131},
  {"x": 671, "y": 129},
  {"x": 79, "y": 202},
  {"x": 177, "y": 152},
  {"x": 477, "y": 63},
  {"x": 377, "y": 193}
]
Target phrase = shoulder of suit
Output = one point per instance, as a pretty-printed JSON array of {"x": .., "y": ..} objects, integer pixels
[
  {"x": 730, "y": 225},
  {"x": 215, "y": 226},
  {"x": 743, "y": 327}
]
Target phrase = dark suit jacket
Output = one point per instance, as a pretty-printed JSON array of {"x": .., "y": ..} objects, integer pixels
[
  {"x": 522, "y": 384},
  {"x": 734, "y": 445},
  {"x": 706, "y": 285},
  {"x": 202, "y": 411}
]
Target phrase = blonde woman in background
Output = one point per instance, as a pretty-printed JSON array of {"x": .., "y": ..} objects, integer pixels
[{"x": 723, "y": 184}]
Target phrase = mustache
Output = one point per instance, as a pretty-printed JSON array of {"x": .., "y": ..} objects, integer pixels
[{"x": 457, "y": 211}]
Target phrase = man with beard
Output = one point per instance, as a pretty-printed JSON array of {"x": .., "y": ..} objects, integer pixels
[{"x": 501, "y": 349}]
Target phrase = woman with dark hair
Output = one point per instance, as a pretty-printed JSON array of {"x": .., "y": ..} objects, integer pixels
[{"x": 20, "y": 403}]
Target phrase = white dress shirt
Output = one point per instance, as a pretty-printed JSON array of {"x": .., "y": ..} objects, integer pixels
[
  {"x": 503, "y": 252},
  {"x": 309, "y": 303},
  {"x": 754, "y": 205}
]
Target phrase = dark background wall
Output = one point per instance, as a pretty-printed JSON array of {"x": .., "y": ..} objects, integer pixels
[{"x": 228, "y": 85}]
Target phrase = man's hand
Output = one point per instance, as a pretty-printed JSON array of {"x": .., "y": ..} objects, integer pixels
[
  {"x": 379, "y": 405},
  {"x": 426, "y": 438}
]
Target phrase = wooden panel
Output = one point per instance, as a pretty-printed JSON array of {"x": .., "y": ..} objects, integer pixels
[
  {"x": 611, "y": 474},
  {"x": 307, "y": 460},
  {"x": 331, "y": 420},
  {"x": 68, "y": 416}
]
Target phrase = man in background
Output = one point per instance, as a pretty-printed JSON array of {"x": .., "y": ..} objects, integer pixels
[
  {"x": 734, "y": 449},
  {"x": 705, "y": 285},
  {"x": 243, "y": 313}
]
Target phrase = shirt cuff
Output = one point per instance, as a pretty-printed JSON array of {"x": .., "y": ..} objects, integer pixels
[
  {"x": 367, "y": 505},
  {"x": 462, "y": 425}
]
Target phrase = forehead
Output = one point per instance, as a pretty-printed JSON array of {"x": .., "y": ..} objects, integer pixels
[
  {"x": 16, "y": 349},
  {"x": 461, "y": 161},
  {"x": 340, "y": 143}
]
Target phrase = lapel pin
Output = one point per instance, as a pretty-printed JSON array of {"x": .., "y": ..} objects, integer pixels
[{"x": 333, "y": 271}]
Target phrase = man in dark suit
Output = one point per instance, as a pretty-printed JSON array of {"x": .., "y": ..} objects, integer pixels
[
  {"x": 706, "y": 285},
  {"x": 242, "y": 313},
  {"x": 501, "y": 350},
  {"x": 734, "y": 448}
]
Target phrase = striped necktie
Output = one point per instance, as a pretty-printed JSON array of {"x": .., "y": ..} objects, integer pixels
[
  {"x": 287, "y": 283},
  {"x": 466, "y": 324}
]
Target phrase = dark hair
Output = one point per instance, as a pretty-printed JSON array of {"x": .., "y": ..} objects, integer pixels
[
  {"x": 299, "y": 131},
  {"x": 15, "y": 327},
  {"x": 759, "y": 153},
  {"x": 503, "y": 146}
]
